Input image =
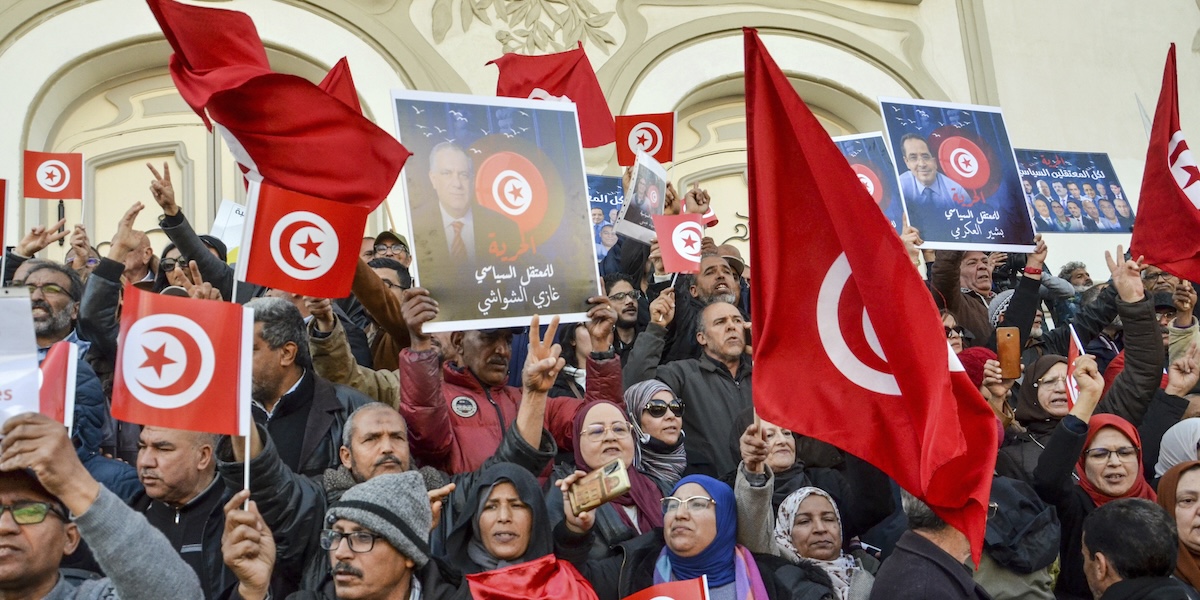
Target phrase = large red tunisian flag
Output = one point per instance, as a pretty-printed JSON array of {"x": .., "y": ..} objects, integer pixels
[
  {"x": 183, "y": 363},
  {"x": 1168, "y": 214},
  {"x": 835, "y": 292},
  {"x": 281, "y": 128},
  {"x": 561, "y": 76}
]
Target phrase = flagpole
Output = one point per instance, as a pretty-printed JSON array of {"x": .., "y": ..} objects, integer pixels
[{"x": 387, "y": 210}]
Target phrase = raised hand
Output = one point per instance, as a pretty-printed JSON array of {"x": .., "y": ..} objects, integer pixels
[
  {"x": 697, "y": 201},
  {"x": 1091, "y": 385},
  {"x": 40, "y": 444},
  {"x": 1126, "y": 275},
  {"x": 601, "y": 320},
  {"x": 1184, "y": 372},
  {"x": 671, "y": 200},
  {"x": 162, "y": 190},
  {"x": 543, "y": 362},
  {"x": 1185, "y": 303},
  {"x": 195, "y": 285},
  {"x": 126, "y": 240},
  {"x": 437, "y": 499},
  {"x": 577, "y": 523},
  {"x": 248, "y": 547},
  {"x": 656, "y": 258},
  {"x": 662, "y": 310},
  {"x": 321, "y": 310},
  {"x": 753, "y": 448},
  {"x": 39, "y": 237},
  {"x": 418, "y": 308},
  {"x": 1037, "y": 258},
  {"x": 911, "y": 239}
]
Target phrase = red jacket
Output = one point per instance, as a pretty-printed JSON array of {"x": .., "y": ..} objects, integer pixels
[{"x": 455, "y": 423}]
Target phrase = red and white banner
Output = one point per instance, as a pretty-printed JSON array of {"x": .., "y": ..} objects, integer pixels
[
  {"x": 688, "y": 589},
  {"x": 56, "y": 382},
  {"x": 1168, "y": 215},
  {"x": 679, "y": 241},
  {"x": 299, "y": 243},
  {"x": 183, "y": 363},
  {"x": 653, "y": 134},
  {"x": 885, "y": 385},
  {"x": 53, "y": 175},
  {"x": 1073, "y": 352},
  {"x": 564, "y": 76}
]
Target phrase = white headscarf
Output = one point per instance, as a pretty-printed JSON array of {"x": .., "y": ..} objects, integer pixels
[
  {"x": 1178, "y": 445},
  {"x": 840, "y": 569}
]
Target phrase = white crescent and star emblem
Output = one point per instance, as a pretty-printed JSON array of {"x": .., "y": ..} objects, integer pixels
[
  {"x": 512, "y": 193},
  {"x": 167, "y": 360},
  {"x": 304, "y": 245},
  {"x": 964, "y": 162},
  {"x": 686, "y": 239},
  {"x": 645, "y": 136},
  {"x": 1183, "y": 167},
  {"x": 829, "y": 330},
  {"x": 53, "y": 175}
]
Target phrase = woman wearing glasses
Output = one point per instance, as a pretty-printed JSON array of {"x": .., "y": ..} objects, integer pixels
[
  {"x": 657, "y": 420},
  {"x": 1104, "y": 453},
  {"x": 506, "y": 525},
  {"x": 1179, "y": 495},
  {"x": 698, "y": 538},
  {"x": 604, "y": 434}
]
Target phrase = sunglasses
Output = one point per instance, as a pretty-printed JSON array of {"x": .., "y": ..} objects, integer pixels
[
  {"x": 958, "y": 330},
  {"x": 658, "y": 408},
  {"x": 167, "y": 264}
]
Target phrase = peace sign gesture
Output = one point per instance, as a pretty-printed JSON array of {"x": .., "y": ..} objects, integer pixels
[
  {"x": 543, "y": 362},
  {"x": 163, "y": 191}
]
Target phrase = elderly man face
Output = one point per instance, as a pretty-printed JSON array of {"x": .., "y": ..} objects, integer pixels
[
  {"x": 1123, "y": 208},
  {"x": 54, "y": 311},
  {"x": 30, "y": 553},
  {"x": 1043, "y": 188},
  {"x": 378, "y": 443},
  {"x": 137, "y": 263},
  {"x": 1043, "y": 209},
  {"x": 174, "y": 465},
  {"x": 365, "y": 566},
  {"x": 450, "y": 174},
  {"x": 1089, "y": 207},
  {"x": 975, "y": 272},
  {"x": 920, "y": 161}
]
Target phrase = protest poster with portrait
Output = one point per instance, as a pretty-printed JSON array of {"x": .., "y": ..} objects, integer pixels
[
  {"x": 957, "y": 175},
  {"x": 605, "y": 194},
  {"x": 646, "y": 199},
  {"x": 1073, "y": 192},
  {"x": 871, "y": 160},
  {"x": 498, "y": 209}
]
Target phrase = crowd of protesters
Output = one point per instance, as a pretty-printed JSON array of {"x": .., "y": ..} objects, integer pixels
[{"x": 391, "y": 463}]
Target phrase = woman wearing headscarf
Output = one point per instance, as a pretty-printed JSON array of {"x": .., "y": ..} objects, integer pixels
[
  {"x": 505, "y": 543},
  {"x": 699, "y": 538},
  {"x": 1180, "y": 444},
  {"x": 603, "y": 433},
  {"x": 1104, "y": 452},
  {"x": 1179, "y": 494},
  {"x": 809, "y": 530},
  {"x": 657, "y": 419},
  {"x": 1041, "y": 404}
]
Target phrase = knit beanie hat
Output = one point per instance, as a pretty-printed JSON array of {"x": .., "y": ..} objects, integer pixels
[
  {"x": 999, "y": 306},
  {"x": 973, "y": 359},
  {"x": 395, "y": 506}
]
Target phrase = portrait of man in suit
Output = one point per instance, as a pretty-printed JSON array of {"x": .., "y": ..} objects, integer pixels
[{"x": 927, "y": 193}]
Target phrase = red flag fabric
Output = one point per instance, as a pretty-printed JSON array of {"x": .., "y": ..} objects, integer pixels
[
  {"x": 53, "y": 175},
  {"x": 1073, "y": 352},
  {"x": 56, "y": 382},
  {"x": 545, "y": 578},
  {"x": 183, "y": 363},
  {"x": 299, "y": 243},
  {"x": 653, "y": 134},
  {"x": 1168, "y": 216},
  {"x": 679, "y": 238},
  {"x": 688, "y": 589},
  {"x": 281, "y": 128},
  {"x": 561, "y": 76},
  {"x": 841, "y": 314}
]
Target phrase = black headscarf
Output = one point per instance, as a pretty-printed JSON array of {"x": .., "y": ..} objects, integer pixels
[
  {"x": 1030, "y": 413},
  {"x": 463, "y": 546}
]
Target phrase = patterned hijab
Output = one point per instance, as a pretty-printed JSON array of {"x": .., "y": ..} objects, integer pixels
[
  {"x": 662, "y": 462},
  {"x": 840, "y": 569}
]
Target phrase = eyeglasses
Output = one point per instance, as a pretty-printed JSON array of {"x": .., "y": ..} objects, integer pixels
[
  {"x": 391, "y": 285},
  {"x": 30, "y": 513},
  {"x": 167, "y": 264},
  {"x": 658, "y": 408},
  {"x": 953, "y": 331},
  {"x": 1126, "y": 454},
  {"x": 46, "y": 288},
  {"x": 619, "y": 296},
  {"x": 1052, "y": 383},
  {"x": 596, "y": 432},
  {"x": 1147, "y": 275},
  {"x": 394, "y": 248},
  {"x": 91, "y": 261},
  {"x": 671, "y": 504},
  {"x": 360, "y": 541}
]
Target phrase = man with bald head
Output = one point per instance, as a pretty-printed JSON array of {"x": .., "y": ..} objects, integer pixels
[{"x": 138, "y": 262}]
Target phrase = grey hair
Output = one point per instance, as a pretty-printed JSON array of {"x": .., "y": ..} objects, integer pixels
[
  {"x": 1065, "y": 271},
  {"x": 450, "y": 146},
  {"x": 75, "y": 283},
  {"x": 348, "y": 430},
  {"x": 282, "y": 323},
  {"x": 920, "y": 516}
]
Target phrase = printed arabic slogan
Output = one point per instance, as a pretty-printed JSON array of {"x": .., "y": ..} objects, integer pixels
[
  {"x": 868, "y": 155},
  {"x": 605, "y": 195},
  {"x": 498, "y": 208},
  {"x": 1073, "y": 192},
  {"x": 957, "y": 175}
]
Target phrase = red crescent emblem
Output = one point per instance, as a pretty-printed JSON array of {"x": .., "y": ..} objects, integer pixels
[
  {"x": 869, "y": 180},
  {"x": 963, "y": 161},
  {"x": 191, "y": 363},
  {"x": 512, "y": 185},
  {"x": 285, "y": 242}
]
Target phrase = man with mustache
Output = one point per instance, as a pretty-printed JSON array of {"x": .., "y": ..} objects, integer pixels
[
  {"x": 185, "y": 499},
  {"x": 375, "y": 443}
]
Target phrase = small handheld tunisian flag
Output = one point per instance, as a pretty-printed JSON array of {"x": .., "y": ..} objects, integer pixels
[
  {"x": 183, "y": 363},
  {"x": 653, "y": 134},
  {"x": 56, "y": 382},
  {"x": 688, "y": 589},
  {"x": 884, "y": 384},
  {"x": 679, "y": 238},
  {"x": 53, "y": 175},
  {"x": 1168, "y": 217},
  {"x": 1073, "y": 352},
  {"x": 299, "y": 243},
  {"x": 566, "y": 76}
]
